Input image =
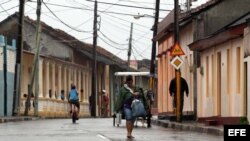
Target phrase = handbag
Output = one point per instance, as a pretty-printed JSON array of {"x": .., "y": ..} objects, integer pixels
[{"x": 138, "y": 109}]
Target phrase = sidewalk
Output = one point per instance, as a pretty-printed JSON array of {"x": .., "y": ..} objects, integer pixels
[
  {"x": 189, "y": 126},
  {"x": 15, "y": 119}
]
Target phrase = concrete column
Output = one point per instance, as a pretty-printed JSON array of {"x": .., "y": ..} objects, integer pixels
[
  {"x": 89, "y": 80},
  {"x": 53, "y": 82},
  {"x": 160, "y": 85},
  {"x": 47, "y": 80},
  {"x": 79, "y": 85},
  {"x": 107, "y": 86},
  {"x": 40, "y": 75},
  {"x": 65, "y": 83},
  {"x": 69, "y": 79},
  {"x": 87, "y": 85},
  {"x": 164, "y": 87},
  {"x": 59, "y": 87},
  {"x": 75, "y": 78},
  {"x": 83, "y": 87}
]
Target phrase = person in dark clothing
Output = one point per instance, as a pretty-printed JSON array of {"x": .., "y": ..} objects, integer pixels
[
  {"x": 172, "y": 90},
  {"x": 104, "y": 104},
  {"x": 126, "y": 95},
  {"x": 74, "y": 99}
]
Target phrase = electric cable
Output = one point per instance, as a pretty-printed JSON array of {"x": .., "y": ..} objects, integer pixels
[{"x": 64, "y": 22}]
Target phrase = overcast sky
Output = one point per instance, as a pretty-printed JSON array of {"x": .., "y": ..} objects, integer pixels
[{"x": 114, "y": 28}]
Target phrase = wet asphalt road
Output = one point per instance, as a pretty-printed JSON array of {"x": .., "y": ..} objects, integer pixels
[{"x": 99, "y": 129}]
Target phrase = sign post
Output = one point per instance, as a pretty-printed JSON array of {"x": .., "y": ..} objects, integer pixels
[{"x": 177, "y": 63}]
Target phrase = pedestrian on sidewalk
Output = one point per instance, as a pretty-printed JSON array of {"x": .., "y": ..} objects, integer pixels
[
  {"x": 124, "y": 102},
  {"x": 173, "y": 93},
  {"x": 104, "y": 104}
]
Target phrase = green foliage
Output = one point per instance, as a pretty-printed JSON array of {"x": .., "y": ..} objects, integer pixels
[{"x": 244, "y": 121}]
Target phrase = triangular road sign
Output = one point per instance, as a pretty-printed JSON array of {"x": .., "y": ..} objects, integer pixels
[{"x": 177, "y": 50}]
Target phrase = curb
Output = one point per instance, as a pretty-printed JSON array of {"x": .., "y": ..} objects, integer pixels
[
  {"x": 15, "y": 119},
  {"x": 189, "y": 127}
]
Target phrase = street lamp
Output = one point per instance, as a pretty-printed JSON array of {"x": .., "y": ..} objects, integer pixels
[
  {"x": 140, "y": 16},
  {"x": 153, "y": 53}
]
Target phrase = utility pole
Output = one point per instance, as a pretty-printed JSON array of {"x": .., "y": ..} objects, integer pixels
[
  {"x": 153, "y": 54},
  {"x": 35, "y": 69},
  {"x": 5, "y": 75},
  {"x": 93, "y": 94},
  {"x": 177, "y": 72},
  {"x": 19, "y": 49},
  {"x": 130, "y": 44},
  {"x": 38, "y": 39},
  {"x": 188, "y": 4}
]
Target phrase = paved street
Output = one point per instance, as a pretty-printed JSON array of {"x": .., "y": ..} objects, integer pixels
[{"x": 91, "y": 130}]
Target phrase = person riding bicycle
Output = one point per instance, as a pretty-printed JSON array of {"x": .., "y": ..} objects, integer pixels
[{"x": 74, "y": 99}]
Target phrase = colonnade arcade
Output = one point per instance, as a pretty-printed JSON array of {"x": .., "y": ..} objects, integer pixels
[{"x": 55, "y": 79}]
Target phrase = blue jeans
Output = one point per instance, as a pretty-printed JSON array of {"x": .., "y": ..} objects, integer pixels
[{"x": 128, "y": 114}]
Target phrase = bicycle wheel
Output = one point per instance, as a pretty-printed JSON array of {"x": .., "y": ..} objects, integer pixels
[{"x": 74, "y": 117}]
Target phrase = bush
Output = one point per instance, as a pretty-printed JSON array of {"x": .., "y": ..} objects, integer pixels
[{"x": 244, "y": 121}]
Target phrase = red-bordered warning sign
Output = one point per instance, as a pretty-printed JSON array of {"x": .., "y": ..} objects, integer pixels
[{"x": 177, "y": 50}]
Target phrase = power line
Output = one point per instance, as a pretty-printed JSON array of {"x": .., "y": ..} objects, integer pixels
[
  {"x": 140, "y": 54},
  {"x": 128, "y": 21},
  {"x": 125, "y": 30},
  {"x": 101, "y": 33},
  {"x": 135, "y": 3},
  {"x": 6, "y": 2},
  {"x": 82, "y": 23},
  {"x": 85, "y": 22},
  {"x": 63, "y": 21},
  {"x": 111, "y": 39},
  {"x": 146, "y": 2},
  {"x": 108, "y": 8},
  {"x": 134, "y": 54},
  {"x": 62, "y": 41},
  {"x": 6, "y": 10},
  {"x": 55, "y": 11},
  {"x": 127, "y": 5},
  {"x": 142, "y": 36},
  {"x": 44, "y": 13},
  {"x": 101, "y": 11},
  {"x": 111, "y": 44}
]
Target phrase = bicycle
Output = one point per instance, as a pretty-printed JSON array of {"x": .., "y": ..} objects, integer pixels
[{"x": 74, "y": 112}]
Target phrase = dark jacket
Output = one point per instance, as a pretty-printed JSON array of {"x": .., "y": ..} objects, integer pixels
[{"x": 184, "y": 87}]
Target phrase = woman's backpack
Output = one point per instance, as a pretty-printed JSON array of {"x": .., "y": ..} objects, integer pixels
[{"x": 73, "y": 95}]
